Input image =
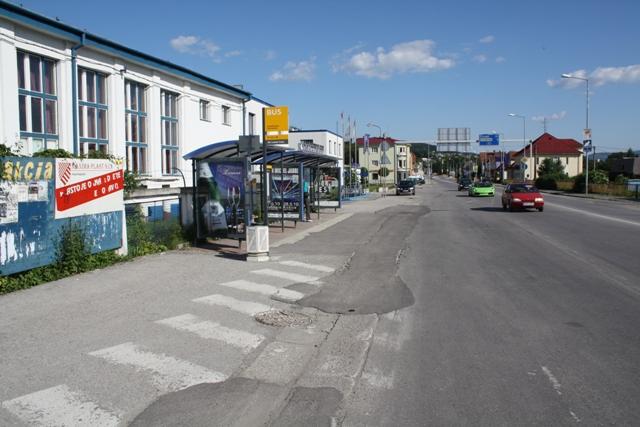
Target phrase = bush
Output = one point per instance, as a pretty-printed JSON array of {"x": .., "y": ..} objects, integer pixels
[
  {"x": 595, "y": 177},
  {"x": 72, "y": 257}
]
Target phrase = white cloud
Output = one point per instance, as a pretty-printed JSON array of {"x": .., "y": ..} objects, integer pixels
[
  {"x": 555, "y": 116},
  {"x": 195, "y": 46},
  {"x": 500, "y": 59},
  {"x": 600, "y": 76},
  {"x": 233, "y": 53},
  {"x": 270, "y": 55},
  {"x": 487, "y": 39},
  {"x": 295, "y": 71},
  {"x": 480, "y": 58},
  {"x": 410, "y": 57}
]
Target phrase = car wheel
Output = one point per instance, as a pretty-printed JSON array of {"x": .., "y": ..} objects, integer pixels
[
  {"x": 504, "y": 207},
  {"x": 510, "y": 207},
  {"x": 414, "y": 192},
  {"x": 541, "y": 208},
  {"x": 397, "y": 193}
]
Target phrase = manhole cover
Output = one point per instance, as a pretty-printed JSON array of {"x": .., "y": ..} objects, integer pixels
[{"x": 283, "y": 318}]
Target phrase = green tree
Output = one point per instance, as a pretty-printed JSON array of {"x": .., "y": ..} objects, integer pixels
[{"x": 553, "y": 168}]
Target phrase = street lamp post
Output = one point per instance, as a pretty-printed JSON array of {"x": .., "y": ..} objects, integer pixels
[
  {"x": 524, "y": 136},
  {"x": 584, "y": 145}
]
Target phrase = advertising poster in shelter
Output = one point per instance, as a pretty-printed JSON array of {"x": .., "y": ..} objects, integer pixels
[{"x": 221, "y": 197}]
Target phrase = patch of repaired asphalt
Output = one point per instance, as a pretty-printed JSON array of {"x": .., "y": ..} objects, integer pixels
[
  {"x": 237, "y": 401},
  {"x": 370, "y": 282}
]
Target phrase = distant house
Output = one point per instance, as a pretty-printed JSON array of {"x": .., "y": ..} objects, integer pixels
[
  {"x": 567, "y": 151},
  {"x": 627, "y": 166}
]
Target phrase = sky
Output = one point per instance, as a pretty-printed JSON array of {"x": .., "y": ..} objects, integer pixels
[{"x": 410, "y": 67}]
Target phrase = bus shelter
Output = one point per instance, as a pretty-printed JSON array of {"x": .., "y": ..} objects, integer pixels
[
  {"x": 289, "y": 171},
  {"x": 225, "y": 188},
  {"x": 229, "y": 195}
]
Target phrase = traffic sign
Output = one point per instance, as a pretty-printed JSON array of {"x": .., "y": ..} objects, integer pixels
[
  {"x": 489, "y": 139},
  {"x": 276, "y": 124}
]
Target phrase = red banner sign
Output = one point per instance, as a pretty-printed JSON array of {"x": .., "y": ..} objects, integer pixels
[{"x": 88, "y": 190}]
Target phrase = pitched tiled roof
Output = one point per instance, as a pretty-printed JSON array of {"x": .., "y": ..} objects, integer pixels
[{"x": 547, "y": 144}]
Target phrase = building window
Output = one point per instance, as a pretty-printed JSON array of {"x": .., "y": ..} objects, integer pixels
[
  {"x": 374, "y": 176},
  {"x": 566, "y": 161},
  {"x": 204, "y": 110},
  {"x": 37, "y": 102},
  {"x": 226, "y": 115},
  {"x": 374, "y": 149},
  {"x": 169, "y": 119},
  {"x": 136, "y": 127},
  {"x": 92, "y": 111},
  {"x": 252, "y": 124},
  {"x": 375, "y": 163}
]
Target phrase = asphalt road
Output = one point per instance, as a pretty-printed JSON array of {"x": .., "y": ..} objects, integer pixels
[
  {"x": 522, "y": 318},
  {"x": 437, "y": 309}
]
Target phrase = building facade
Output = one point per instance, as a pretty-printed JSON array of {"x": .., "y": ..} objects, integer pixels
[
  {"x": 61, "y": 87},
  {"x": 380, "y": 158},
  {"x": 567, "y": 151}
]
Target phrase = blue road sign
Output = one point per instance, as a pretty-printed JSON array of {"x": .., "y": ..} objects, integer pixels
[{"x": 489, "y": 139}]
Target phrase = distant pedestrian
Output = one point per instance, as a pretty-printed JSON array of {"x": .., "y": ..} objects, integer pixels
[{"x": 307, "y": 207}]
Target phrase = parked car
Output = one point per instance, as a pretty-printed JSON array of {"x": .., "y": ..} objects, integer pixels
[
  {"x": 464, "y": 183},
  {"x": 418, "y": 178},
  {"x": 484, "y": 188},
  {"x": 406, "y": 186},
  {"x": 522, "y": 196}
]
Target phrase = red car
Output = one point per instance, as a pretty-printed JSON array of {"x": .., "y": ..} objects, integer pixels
[{"x": 522, "y": 196}]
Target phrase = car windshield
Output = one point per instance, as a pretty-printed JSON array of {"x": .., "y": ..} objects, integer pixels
[
  {"x": 484, "y": 184},
  {"x": 523, "y": 188},
  {"x": 406, "y": 183}
]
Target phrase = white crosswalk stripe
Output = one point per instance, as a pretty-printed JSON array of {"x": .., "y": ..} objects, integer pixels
[
  {"x": 294, "y": 277},
  {"x": 167, "y": 373},
  {"x": 59, "y": 406},
  {"x": 245, "y": 307},
  {"x": 212, "y": 330},
  {"x": 280, "y": 293},
  {"x": 317, "y": 267}
]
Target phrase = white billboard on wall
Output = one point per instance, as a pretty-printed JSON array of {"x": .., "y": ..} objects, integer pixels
[{"x": 88, "y": 186}]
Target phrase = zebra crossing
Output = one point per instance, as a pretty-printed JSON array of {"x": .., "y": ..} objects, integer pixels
[{"x": 66, "y": 405}]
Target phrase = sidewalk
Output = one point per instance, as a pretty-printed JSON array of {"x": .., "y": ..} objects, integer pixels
[{"x": 294, "y": 232}]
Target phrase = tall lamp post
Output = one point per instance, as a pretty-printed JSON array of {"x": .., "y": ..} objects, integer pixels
[
  {"x": 369, "y": 125},
  {"x": 586, "y": 131},
  {"x": 524, "y": 137}
]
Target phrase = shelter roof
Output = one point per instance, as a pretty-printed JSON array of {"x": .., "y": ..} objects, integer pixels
[{"x": 225, "y": 149}]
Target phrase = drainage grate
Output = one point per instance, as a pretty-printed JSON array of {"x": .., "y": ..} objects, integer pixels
[{"x": 282, "y": 318}]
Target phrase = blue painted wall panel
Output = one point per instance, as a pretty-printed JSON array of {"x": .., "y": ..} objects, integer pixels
[{"x": 31, "y": 239}]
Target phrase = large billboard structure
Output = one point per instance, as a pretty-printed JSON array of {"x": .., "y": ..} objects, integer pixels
[{"x": 456, "y": 140}]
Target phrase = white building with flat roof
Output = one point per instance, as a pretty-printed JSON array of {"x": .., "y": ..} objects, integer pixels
[{"x": 61, "y": 87}]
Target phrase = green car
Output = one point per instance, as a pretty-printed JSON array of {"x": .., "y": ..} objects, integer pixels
[{"x": 482, "y": 189}]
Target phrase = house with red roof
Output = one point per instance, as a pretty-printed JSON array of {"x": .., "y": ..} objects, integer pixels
[{"x": 568, "y": 151}]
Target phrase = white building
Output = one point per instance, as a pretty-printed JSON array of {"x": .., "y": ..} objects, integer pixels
[
  {"x": 318, "y": 142},
  {"x": 61, "y": 87}
]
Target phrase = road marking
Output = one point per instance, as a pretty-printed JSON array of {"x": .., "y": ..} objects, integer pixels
[
  {"x": 554, "y": 381},
  {"x": 574, "y": 416},
  {"x": 168, "y": 373},
  {"x": 294, "y": 277},
  {"x": 245, "y": 307},
  {"x": 610, "y": 218},
  {"x": 317, "y": 267},
  {"x": 59, "y": 406},
  {"x": 280, "y": 293},
  {"x": 213, "y": 331}
]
